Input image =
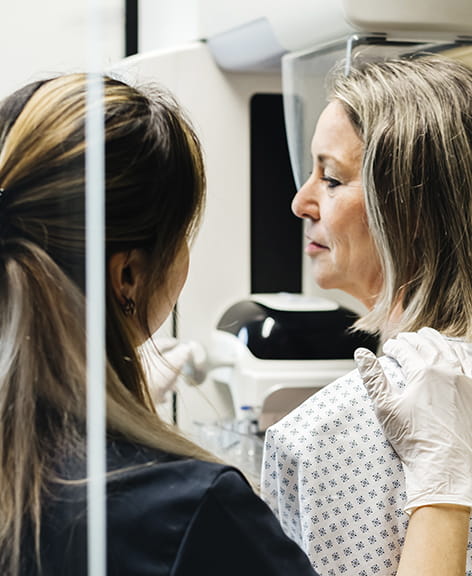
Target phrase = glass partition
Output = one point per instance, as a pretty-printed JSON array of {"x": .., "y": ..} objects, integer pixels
[{"x": 42, "y": 234}]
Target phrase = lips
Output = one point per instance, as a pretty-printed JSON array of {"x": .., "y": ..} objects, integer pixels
[
  {"x": 314, "y": 248},
  {"x": 316, "y": 244}
]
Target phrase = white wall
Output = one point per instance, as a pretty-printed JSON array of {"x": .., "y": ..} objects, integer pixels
[
  {"x": 42, "y": 37},
  {"x": 165, "y": 23}
]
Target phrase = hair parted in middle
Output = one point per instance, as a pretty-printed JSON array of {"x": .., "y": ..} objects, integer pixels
[{"x": 414, "y": 116}]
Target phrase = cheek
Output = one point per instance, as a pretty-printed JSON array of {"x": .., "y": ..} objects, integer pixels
[
  {"x": 352, "y": 231},
  {"x": 347, "y": 224},
  {"x": 366, "y": 258},
  {"x": 182, "y": 269},
  {"x": 165, "y": 298}
]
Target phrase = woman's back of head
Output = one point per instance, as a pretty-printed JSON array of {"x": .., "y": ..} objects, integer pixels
[
  {"x": 154, "y": 180},
  {"x": 414, "y": 116},
  {"x": 154, "y": 171}
]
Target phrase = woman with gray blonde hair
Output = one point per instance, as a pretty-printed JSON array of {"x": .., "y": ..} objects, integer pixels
[
  {"x": 171, "y": 507},
  {"x": 388, "y": 211},
  {"x": 415, "y": 119}
]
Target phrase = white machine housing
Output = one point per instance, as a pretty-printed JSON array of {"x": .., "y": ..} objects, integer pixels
[
  {"x": 276, "y": 350},
  {"x": 253, "y": 34}
]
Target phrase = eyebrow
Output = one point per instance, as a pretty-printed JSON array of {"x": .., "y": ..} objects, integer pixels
[{"x": 325, "y": 159}]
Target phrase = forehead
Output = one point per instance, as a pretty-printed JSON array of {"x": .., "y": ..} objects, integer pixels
[{"x": 335, "y": 136}]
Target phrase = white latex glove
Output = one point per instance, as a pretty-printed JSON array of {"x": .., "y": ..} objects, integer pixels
[
  {"x": 429, "y": 423},
  {"x": 166, "y": 359}
]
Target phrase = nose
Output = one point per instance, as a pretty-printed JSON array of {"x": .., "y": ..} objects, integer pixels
[{"x": 305, "y": 202}]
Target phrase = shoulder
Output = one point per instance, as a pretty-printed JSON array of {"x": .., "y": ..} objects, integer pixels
[
  {"x": 152, "y": 498},
  {"x": 143, "y": 482},
  {"x": 175, "y": 488},
  {"x": 174, "y": 516}
]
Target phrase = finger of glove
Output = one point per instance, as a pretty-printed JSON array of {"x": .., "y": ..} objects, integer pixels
[
  {"x": 406, "y": 354},
  {"x": 372, "y": 374},
  {"x": 178, "y": 356},
  {"x": 463, "y": 351},
  {"x": 198, "y": 354},
  {"x": 432, "y": 347},
  {"x": 444, "y": 348},
  {"x": 197, "y": 366}
]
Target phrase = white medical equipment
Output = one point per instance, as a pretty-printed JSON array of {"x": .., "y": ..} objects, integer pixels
[{"x": 279, "y": 349}]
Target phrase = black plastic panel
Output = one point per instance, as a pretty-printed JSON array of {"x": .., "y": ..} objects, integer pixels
[
  {"x": 313, "y": 335},
  {"x": 276, "y": 234}
]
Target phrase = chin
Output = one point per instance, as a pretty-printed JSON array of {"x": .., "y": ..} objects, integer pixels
[{"x": 325, "y": 282}]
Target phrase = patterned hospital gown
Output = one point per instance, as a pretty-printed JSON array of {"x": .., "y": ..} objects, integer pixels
[{"x": 336, "y": 484}]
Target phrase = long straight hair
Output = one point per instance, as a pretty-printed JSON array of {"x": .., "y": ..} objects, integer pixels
[
  {"x": 155, "y": 187},
  {"x": 415, "y": 119}
]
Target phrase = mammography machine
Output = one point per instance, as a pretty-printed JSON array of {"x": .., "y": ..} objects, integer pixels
[{"x": 252, "y": 80}]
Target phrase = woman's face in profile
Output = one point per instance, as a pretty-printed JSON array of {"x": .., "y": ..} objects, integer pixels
[{"x": 332, "y": 203}]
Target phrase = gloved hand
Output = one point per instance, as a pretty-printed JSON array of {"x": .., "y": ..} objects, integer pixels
[
  {"x": 166, "y": 359},
  {"x": 429, "y": 423}
]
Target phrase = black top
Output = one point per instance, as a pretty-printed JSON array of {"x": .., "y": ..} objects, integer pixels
[{"x": 168, "y": 516}]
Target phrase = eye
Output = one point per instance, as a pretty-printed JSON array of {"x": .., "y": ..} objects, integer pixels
[{"x": 331, "y": 182}]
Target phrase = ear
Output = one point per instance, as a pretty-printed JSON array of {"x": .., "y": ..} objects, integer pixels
[{"x": 126, "y": 271}]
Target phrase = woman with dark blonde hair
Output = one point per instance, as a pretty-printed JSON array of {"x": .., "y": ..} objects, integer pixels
[
  {"x": 171, "y": 508},
  {"x": 388, "y": 211}
]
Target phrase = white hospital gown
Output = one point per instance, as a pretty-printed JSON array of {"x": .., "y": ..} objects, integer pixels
[{"x": 335, "y": 482}]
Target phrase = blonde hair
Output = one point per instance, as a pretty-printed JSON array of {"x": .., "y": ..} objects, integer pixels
[
  {"x": 154, "y": 197},
  {"x": 415, "y": 119}
]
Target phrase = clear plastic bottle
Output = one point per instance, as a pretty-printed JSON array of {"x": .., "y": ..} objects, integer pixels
[
  {"x": 248, "y": 424},
  {"x": 247, "y": 431}
]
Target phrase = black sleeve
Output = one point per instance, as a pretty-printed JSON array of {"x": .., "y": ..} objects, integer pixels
[{"x": 234, "y": 533}]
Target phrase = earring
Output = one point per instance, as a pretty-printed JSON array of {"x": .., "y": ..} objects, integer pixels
[{"x": 128, "y": 307}]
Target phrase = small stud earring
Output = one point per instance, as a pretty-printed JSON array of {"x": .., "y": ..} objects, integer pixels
[{"x": 128, "y": 307}]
